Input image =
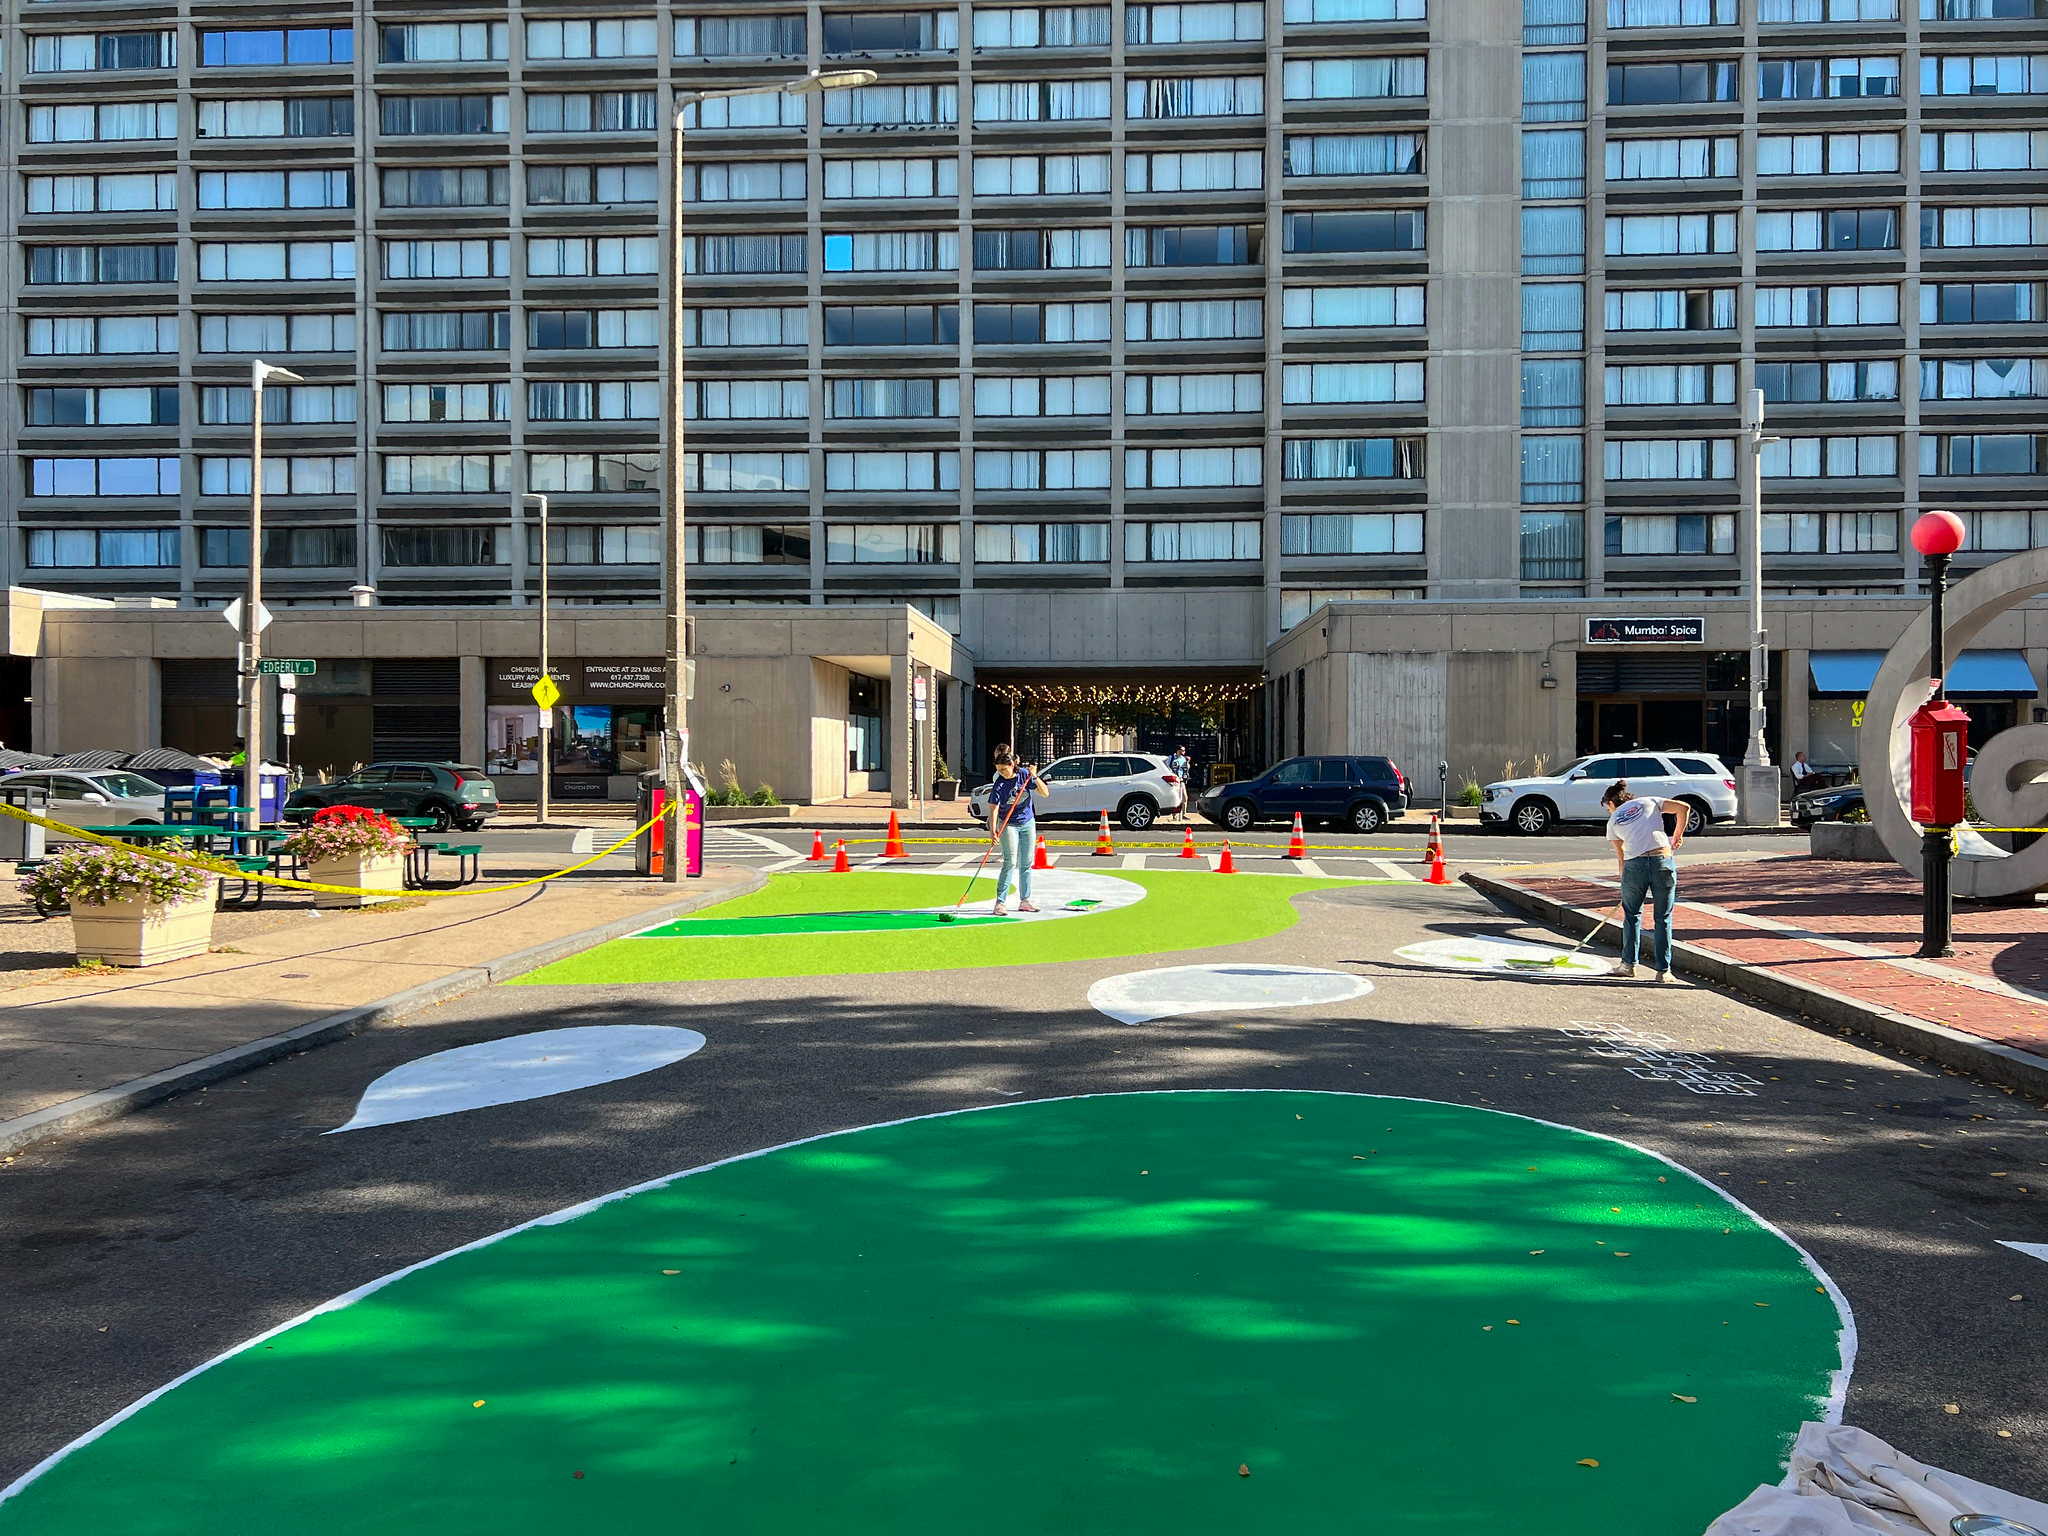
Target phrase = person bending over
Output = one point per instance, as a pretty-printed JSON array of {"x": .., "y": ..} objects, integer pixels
[{"x": 1645, "y": 852}]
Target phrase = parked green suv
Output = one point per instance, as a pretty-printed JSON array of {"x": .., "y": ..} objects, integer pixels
[{"x": 452, "y": 794}]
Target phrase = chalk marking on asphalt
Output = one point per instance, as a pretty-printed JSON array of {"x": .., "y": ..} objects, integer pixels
[
  {"x": 1658, "y": 1060},
  {"x": 1308, "y": 867},
  {"x": 1391, "y": 868},
  {"x": 1134, "y": 861},
  {"x": 2032, "y": 1250},
  {"x": 1928, "y": 968}
]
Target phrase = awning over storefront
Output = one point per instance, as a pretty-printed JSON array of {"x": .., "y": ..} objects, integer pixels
[
  {"x": 1972, "y": 675},
  {"x": 1844, "y": 674},
  {"x": 1991, "y": 675}
]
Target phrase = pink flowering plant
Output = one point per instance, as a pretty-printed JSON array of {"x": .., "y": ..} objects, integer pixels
[
  {"x": 93, "y": 875},
  {"x": 341, "y": 832}
]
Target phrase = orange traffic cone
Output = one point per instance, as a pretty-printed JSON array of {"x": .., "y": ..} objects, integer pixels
[
  {"x": 1103, "y": 849},
  {"x": 817, "y": 847},
  {"x": 1187, "y": 845},
  {"x": 1039, "y": 860},
  {"x": 1436, "y": 835},
  {"x": 894, "y": 848},
  {"x": 1226, "y": 865},
  {"x": 842, "y": 865},
  {"x": 1297, "y": 849},
  {"x": 1437, "y": 876}
]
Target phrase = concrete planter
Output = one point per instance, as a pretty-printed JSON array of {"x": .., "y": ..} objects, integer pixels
[
  {"x": 748, "y": 813},
  {"x": 1855, "y": 842},
  {"x": 375, "y": 872},
  {"x": 143, "y": 932},
  {"x": 946, "y": 789}
]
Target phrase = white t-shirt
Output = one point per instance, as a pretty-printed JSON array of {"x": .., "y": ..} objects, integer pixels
[{"x": 1639, "y": 827}]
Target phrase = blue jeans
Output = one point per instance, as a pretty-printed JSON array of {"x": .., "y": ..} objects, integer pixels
[
  {"x": 1018, "y": 844},
  {"x": 1654, "y": 875}
]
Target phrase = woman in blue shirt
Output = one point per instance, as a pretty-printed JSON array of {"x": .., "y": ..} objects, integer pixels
[{"x": 1010, "y": 817}]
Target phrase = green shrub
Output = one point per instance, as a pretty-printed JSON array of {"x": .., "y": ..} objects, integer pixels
[
  {"x": 766, "y": 795},
  {"x": 1469, "y": 794}
]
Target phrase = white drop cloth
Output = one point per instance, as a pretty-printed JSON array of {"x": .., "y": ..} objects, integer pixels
[{"x": 1846, "y": 1482}]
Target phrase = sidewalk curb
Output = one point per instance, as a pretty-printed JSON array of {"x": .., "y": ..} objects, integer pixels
[
  {"x": 125, "y": 1098},
  {"x": 2004, "y": 1065}
]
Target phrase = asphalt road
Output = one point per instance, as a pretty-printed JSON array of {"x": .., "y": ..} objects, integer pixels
[{"x": 142, "y": 1247}]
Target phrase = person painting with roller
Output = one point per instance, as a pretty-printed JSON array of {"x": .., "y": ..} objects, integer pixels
[
  {"x": 1012, "y": 823},
  {"x": 1644, "y": 850}
]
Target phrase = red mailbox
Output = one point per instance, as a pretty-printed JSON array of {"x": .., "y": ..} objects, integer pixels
[{"x": 1941, "y": 735}]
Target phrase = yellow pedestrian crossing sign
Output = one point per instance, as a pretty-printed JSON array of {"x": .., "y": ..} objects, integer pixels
[{"x": 546, "y": 693}]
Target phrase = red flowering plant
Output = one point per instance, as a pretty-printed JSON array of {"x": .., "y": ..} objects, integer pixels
[{"x": 342, "y": 832}]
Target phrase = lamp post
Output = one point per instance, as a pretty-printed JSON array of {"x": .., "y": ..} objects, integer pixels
[
  {"x": 547, "y": 716},
  {"x": 1937, "y": 535},
  {"x": 675, "y": 733},
  {"x": 252, "y": 602},
  {"x": 1759, "y": 797}
]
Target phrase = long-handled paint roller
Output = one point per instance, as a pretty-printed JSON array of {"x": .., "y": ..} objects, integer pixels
[
  {"x": 1028, "y": 774},
  {"x": 1566, "y": 957}
]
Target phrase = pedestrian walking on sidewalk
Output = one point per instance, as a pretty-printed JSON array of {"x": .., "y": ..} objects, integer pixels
[
  {"x": 1182, "y": 767},
  {"x": 1649, "y": 867},
  {"x": 1012, "y": 822}
]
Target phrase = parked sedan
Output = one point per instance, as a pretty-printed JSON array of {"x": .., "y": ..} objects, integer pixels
[
  {"x": 1831, "y": 804},
  {"x": 103, "y": 797},
  {"x": 1362, "y": 793},
  {"x": 451, "y": 794},
  {"x": 1135, "y": 789}
]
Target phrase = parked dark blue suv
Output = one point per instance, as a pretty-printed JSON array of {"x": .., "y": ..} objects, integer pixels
[{"x": 1363, "y": 793}]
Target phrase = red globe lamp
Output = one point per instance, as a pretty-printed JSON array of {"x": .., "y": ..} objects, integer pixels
[{"x": 1939, "y": 533}]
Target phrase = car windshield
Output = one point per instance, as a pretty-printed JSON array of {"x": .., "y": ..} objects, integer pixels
[{"x": 129, "y": 785}]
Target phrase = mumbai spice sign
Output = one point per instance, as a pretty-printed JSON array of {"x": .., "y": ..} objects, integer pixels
[{"x": 1646, "y": 631}]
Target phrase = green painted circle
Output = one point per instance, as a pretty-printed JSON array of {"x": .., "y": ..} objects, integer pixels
[{"x": 1081, "y": 1315}]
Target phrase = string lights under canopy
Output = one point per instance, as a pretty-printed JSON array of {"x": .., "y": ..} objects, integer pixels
[{"x": 1147, "y": 698}]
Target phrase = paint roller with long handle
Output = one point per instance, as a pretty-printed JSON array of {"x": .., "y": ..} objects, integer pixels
[
  {"x": 1027, "y": 774},
  {"x": 1566, "y": 957}
]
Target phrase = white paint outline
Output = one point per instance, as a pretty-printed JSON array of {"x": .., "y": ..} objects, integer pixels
[
  {"x": 1831, "y": 1410},
  {"x": 1539, "y": 964},
  {"x": 2031, "y": 1250},
  {"x": 1103, "y": 998}
]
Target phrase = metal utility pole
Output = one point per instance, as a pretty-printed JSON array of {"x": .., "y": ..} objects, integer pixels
[
  {"x": 252, "y": 601},
  {"x": 547, "y": 716},
  {"x": 1758, "y": 798},
  {"x": 675, "y": 728}
]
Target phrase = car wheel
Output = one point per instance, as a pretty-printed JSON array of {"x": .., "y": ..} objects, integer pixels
[
  {"x": 1698, "y": 818},
  {"x": 439, "y": 815},
  {"x": 1367, "y": 817},
  {"x": 1238, "y": 816},
  {"x": 1532, "y": 818},
  {"x": 1137, "y": 812}
]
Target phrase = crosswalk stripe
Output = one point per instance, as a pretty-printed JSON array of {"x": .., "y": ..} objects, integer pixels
[
  {"x": 1307, "y": 867},
  {"x": 1133, "y": 861},
  {"x": 1391, "y": 868}
]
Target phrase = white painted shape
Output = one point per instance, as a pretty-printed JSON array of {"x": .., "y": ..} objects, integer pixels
[
  {"x": 2032, "y": 1250},
  {"x": 1390, "y": 868},
  {"x": 1308, "y": 867},
  {"x": 1496, "y": 955},
  {"x": 1138, "y": 997},
  {"x": 1134, "y": 861},
  {"x": 1053, "y": 890},
  {"x": 530, "y": 1066},
  {"x": 585, "y": 841}
]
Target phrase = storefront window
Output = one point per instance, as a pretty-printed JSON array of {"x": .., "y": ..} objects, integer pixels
[
  {"x": 512, "y": 740},
  {"x": 867, "y": 729}
]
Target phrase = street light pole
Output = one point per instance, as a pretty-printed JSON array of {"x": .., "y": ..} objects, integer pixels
[
  {"x": 675, "y": 732},
  {"x": 1759, "y": 798},
  {"x": 252, "y": 601},
  {"x": 547, "y": 716}
]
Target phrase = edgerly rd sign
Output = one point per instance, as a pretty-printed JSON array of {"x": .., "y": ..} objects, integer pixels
[{"x": 1646, "y": 631}]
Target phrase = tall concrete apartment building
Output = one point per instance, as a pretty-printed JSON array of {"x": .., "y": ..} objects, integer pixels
[{"x": 1117, "y": 338}]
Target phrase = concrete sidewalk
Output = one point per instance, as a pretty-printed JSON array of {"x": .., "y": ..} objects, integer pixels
[
  {"x": 82, "y": 1048},
  {"x": 1836, "y": 943}
]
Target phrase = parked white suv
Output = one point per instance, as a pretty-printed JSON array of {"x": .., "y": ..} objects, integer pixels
[
  {"x": 1135, "y": 789},
  {"x": 1532, "y": 806},
  {"x": 100, "y": 797}
]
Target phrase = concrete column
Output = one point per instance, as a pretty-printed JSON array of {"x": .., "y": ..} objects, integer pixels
[
  {"x": 899, "y": 731},
  {"x": 1795, "y": 727},
  {"x": 472, "y": 707},
  {"x": 957, "y": 701}
]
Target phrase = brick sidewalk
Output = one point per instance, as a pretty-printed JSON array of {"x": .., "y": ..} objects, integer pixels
[{"x": 1995, "y": 987}]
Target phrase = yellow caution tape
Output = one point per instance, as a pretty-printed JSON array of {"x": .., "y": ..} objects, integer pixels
[{"x": 232, "y": 873}]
